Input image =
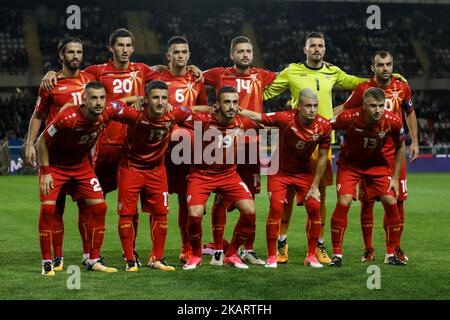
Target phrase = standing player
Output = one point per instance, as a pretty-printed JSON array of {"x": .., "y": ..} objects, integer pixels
[
  {"x": 249, "y": 83},
  {"x": 362, "y": 157},
  {"x": 398, "y": 100},
  {"x": 301, "y": 131},
  {"x": 121, "y": 78},
  {"x": 70, "y": 89},
  {"x": 184, "y": 90},
  {"x": 64, "y": 149},
  {"x": 314, "y": 73},
  {"x": 216, "y": 173}
]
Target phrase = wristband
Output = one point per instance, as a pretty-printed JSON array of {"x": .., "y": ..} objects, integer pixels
[{"x": 45, "y": 170}]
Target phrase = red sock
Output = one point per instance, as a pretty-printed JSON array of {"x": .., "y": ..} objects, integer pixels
[
  {"x": 244, "y": 227},
  {"x": 127, "y": 235},
  {"x": 135, "y": 228},
  {"x": 83, "y": 220},
  {"x": 218, "y": 221},
  {"x": 338, "y": 226},
  {"x": 391, "y": 227},
  {"x": 273, "y": 226},
  {"x": 195, "y": 234},
  {"x": 58, "y": 225},
  {"x": 367, "y": 223},
  {"x": 96, "y": 228},
  {"x": 182, "y": 224},
  {"x": 159, "y": 232},
  {"x": 401, "y": 213},
  {"x": 313, "y": 224},
  {"x": 46, "y": 219}
]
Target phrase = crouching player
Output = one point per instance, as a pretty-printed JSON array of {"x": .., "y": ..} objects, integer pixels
[
  {"x": 142, "y": 170},
  {"x": 301, "y": 130},
  {"x": 362, "y": 157},
  {"x": 64, "y": 149},
  {"x": 219, "y": 175}
]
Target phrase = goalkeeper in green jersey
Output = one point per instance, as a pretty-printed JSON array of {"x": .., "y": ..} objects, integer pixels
[{"x": 320, "y": 76}]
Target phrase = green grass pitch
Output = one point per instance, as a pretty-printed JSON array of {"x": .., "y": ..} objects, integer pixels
[{"x": 425, "y": 240}]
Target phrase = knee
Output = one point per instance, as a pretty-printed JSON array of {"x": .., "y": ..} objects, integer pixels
[{"x": 390, "y": 200}]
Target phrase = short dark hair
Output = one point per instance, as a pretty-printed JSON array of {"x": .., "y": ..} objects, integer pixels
[
  {"x": 122, "y": 32},
  {"x": 313, "y": 34},
  {"x": 93, "y": 85},
  {"x": 225, "y": 90},
  {"x": 382, "y": 54},
  {"x": 155, "y": 85},
  {"x": 176, "y": 40},
  {"x": 237, "y": 40},
  {"x": 375, "y": 92},
  {"x": 62, "y": 44}
]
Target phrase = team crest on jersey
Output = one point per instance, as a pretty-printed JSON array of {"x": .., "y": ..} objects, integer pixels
[
  {"x": 315, "y": 136},
  {"x": 168, "y": 124},
  {"x": 253, "y": 76},
  {"x": 133, "y": 75},
  {"x": 381, "y": 134},
  {"x": 115, "y": 105},
  {"x": 395, "y": 94},
  {"x": 189, "y": 86},
  {"x": 328, "y": 76}
]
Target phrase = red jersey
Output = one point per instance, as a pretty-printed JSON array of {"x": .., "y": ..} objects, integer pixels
[
  {"x": 182, "y": 89},
  {"x": 297, "y": 142},
  {"x": 120, "y": 83},
  {"x": 249, "y": 86},
  {"x": 70, "y": 136},
  {"x": 218, "y": 137},
  {"x": 67, "y": 90},
  {"x": 147, "y": 139},
  {"x": 363, "y": 145},
  {"x": 398, "y": 99}
]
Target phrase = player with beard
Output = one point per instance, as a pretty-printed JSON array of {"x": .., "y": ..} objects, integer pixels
[
  {"x": 249, "y": 83},
  {"x": 121, "y": 78},
  {"x": 398, "y": 101},
  {"x": 69, "y": 89}
]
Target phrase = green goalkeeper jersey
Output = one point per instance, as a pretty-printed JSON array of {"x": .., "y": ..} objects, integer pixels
[{"x": 298, "y": 76}]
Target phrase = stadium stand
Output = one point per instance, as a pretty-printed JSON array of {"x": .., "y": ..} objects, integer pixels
[{"x": 13, "y": 56}]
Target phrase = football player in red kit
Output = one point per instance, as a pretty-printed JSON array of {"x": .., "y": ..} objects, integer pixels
[{"x": 363, "y": 158}]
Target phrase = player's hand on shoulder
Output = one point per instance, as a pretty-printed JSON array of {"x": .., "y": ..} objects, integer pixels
[
  {"x": 48, "y": 80},
  {"x": 197, "y": 73},
  {"x": 400, "y": 77}
]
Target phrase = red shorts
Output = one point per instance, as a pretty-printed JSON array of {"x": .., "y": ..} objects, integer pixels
[
  {"x": 106, "y": 161},
  {"x": 278, "y": 184},
  {"x": 376, "y": 180},
  {"x": 177, "y": 173},
  {"x": 250, "y": 175},
  {"x": 80, "y": 183},
  {"x": 402, "y": 182},
  {"x": 150, "y": 184},
  {"x": 230, "y": 185},
  {"x": 176, "y": 176}
]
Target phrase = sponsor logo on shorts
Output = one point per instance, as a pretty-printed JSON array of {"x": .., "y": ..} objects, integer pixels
[
  {"x": 381, "y": 134},
  {"x": 188, "y": 198},
  {"x": 52, "y": 130}
]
